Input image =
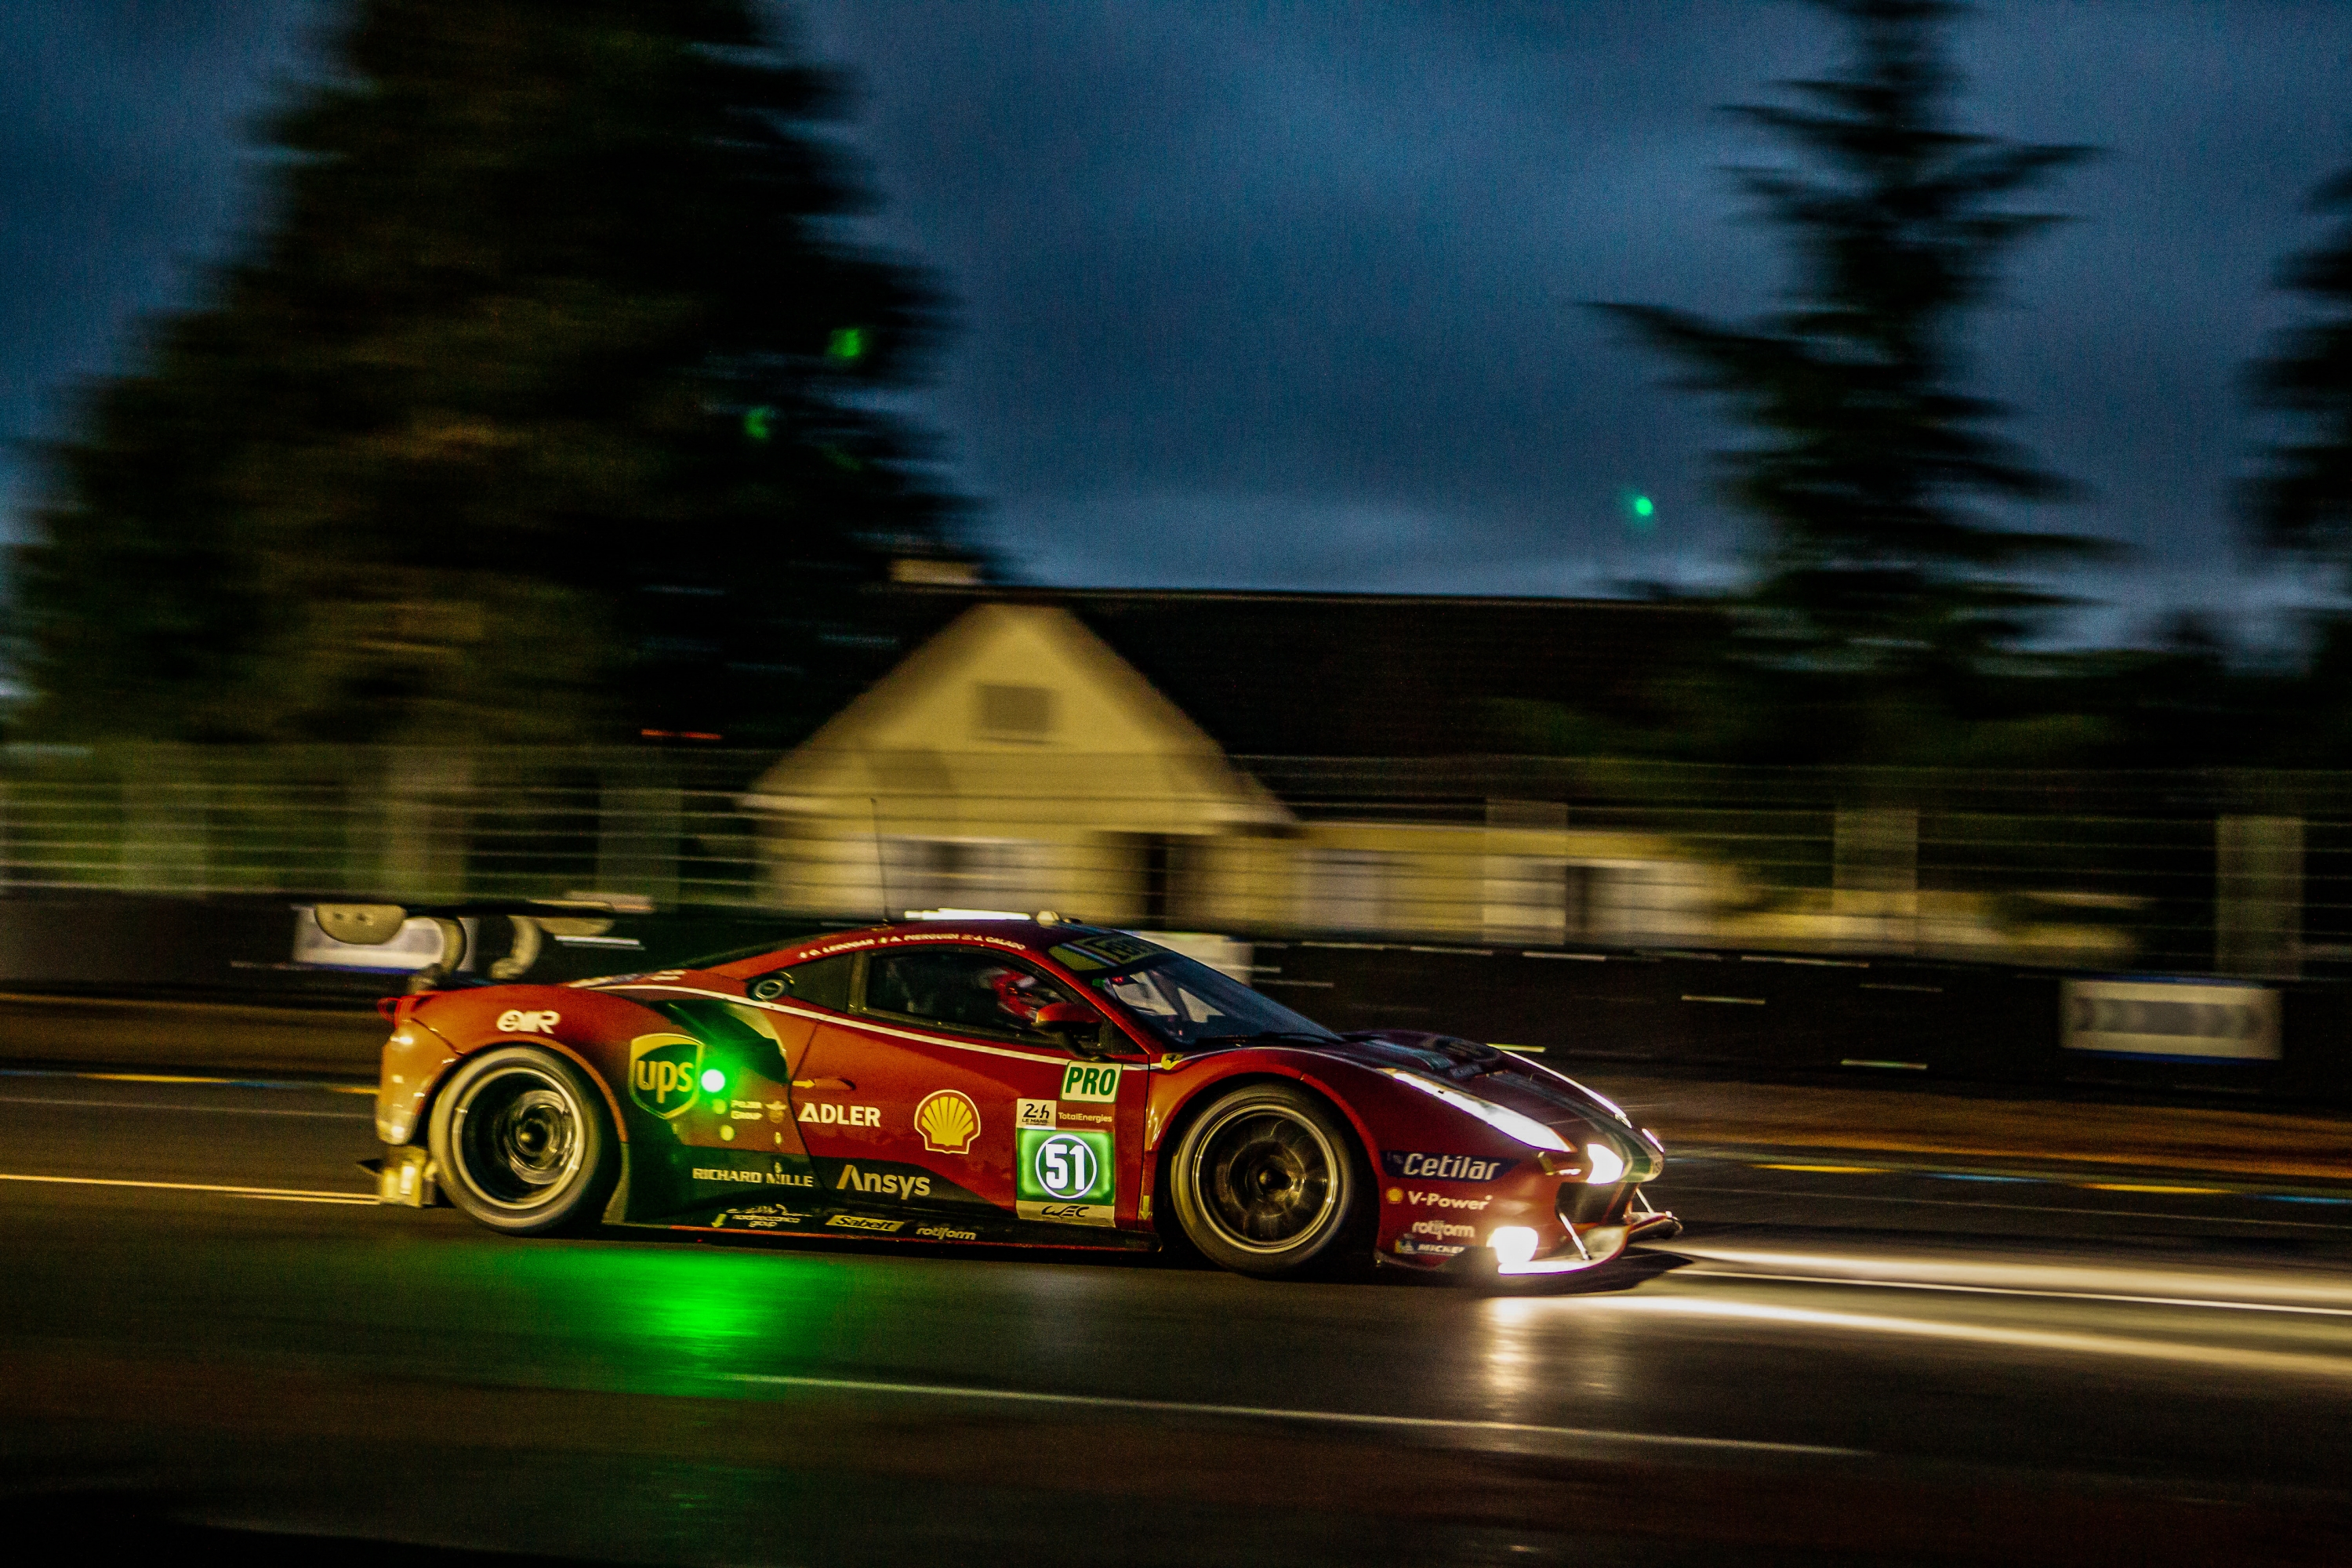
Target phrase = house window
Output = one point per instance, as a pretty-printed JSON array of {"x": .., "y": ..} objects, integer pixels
[
  {"x": 1165, "y": 872},
  {"x": 1016, "y": 712},
  {"x": 1349, "y": 890},
  {"x": 968, "y": 873}
]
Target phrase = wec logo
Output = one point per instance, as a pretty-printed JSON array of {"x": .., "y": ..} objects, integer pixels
[
  {"x": 525, "y": 1021},
  {"x": 662, "y": 1073}
]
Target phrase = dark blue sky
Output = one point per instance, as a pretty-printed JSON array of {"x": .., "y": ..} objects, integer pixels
[{"x": 1287, "y": 295}]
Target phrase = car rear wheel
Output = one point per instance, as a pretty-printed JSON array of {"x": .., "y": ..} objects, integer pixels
[
  {"x": 1266, "y": 1183},
  {"x": 524, "y": 1143}
]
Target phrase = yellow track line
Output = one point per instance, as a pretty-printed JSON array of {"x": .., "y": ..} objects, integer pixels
[
  {"x": 187, "y": 1077},
  {"x": 283, "y": 1195}
]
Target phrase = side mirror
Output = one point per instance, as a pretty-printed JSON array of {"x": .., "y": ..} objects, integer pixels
[{"x": 1079, "y": 1026}]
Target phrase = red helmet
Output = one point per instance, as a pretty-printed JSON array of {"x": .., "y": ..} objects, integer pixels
[{"x": 1016, "y": 993}]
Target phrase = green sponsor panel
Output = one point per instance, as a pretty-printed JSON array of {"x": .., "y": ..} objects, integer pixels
[{"x": 1065, "y": 1166}]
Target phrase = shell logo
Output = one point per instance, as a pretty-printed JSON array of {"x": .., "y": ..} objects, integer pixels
[{"x": 948, "y": 1121}]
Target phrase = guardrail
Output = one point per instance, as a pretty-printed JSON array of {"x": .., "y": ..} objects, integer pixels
[
  {"x": 1718, "y": 1012},
  {"x": 2239, "y": 874}
]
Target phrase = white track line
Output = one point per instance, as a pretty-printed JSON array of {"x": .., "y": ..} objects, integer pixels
[
  {"x": 1268, "y": 1413},
  {"x": 186, "y": 1110},
  {"x": 282, "y": 1195}
]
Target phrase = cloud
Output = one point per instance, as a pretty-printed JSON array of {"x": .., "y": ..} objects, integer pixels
[
  {"x": 124, "y": 170},
  {"x": 1291, "y": 295},
  {"x": 1323, "y": 263}
]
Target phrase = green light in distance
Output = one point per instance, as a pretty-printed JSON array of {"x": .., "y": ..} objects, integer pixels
[
  {"x": 1640, "y": 511},
  {"x": 847, "y": 343},
  {"x": 713, "y": 1081},
  {"x": 760, "y": 423}
]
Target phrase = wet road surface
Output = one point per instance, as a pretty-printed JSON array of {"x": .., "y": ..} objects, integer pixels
[{"x": 202, "y": 1313}]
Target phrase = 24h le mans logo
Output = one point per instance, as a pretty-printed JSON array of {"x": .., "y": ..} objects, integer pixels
[{"x": 663, "y": 1070}]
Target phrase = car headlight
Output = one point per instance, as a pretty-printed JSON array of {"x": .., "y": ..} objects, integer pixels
[
  {"x": 1513, "y": 1245},
  {"x": 1607, "y": 1164},
  {"x": 1501, "y": 1118}
]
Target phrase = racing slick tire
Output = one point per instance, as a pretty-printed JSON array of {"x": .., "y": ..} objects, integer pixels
[
  {"x": 1267, "y": 1180},
  {"x": 524, "y": 1143}
]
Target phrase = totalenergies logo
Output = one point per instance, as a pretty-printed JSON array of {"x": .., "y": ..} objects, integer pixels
[{"x": 664, "y": 1070}]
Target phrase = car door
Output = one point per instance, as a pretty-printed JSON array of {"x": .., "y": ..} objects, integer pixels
[{"x": 942, "y": 1109}]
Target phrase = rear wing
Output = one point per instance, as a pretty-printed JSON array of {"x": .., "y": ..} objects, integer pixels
[{"x": 534, "y": 920}]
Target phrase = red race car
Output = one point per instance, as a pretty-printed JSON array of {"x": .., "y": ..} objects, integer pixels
[{"x": 1007, "y": 1081}]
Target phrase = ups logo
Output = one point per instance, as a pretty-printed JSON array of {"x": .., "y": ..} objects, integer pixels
[{"x": 663, "y": 1070}]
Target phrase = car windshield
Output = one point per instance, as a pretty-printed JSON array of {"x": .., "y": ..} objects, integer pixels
[{"x": 1186, "y": 1003}]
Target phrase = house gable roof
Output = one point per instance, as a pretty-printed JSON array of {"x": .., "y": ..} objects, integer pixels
[
  {"x": 1021, "y": 702},
  {"x": 1365, "y": 675}
]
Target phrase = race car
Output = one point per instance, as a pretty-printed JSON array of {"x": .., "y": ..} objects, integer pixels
[{"x": 997, "y": 1080}]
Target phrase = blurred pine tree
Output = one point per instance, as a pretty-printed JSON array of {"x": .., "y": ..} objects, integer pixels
[
  {"x": 2303, "y": 502},
  {"x": 546, "y": 410},
  {"x": 1888, "y": 601}
]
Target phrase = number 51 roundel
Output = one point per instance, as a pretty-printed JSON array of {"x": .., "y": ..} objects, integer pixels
[{"x": 1065, "y": 1175}]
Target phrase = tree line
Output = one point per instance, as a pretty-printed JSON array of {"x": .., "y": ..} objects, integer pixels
[
  {"x": 1896, "y": 609},
  {"x": 553, "y": 406}
]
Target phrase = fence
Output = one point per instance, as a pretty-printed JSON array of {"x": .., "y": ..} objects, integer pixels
[{"x": 2185, "y": 873}]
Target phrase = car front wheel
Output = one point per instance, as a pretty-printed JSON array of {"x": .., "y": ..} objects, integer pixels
[
  {"x": 1266, "y": 1181},
  {"x": 524, "y": 1143}
]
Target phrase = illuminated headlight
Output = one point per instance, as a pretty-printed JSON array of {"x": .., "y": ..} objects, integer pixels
[
  {"x": 1607, "y": 1164},
  {"x": 1513, "y": 1245},
  {"x": 1501, "y": 1118}
]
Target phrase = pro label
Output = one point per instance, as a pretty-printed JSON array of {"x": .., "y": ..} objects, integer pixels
[{"x": 1090, "y": 1080}]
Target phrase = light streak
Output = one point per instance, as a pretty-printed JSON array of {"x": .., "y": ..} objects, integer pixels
[
  {"x": 2038, "y": 1278},
  {"x": 2113, "y": 1347},
  {"x": 2009, "y": 1208},
  {"x": 2010, "y": 1290}
]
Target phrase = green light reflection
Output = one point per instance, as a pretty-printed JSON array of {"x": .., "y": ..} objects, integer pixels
[{"x": 645, "y": 1316}]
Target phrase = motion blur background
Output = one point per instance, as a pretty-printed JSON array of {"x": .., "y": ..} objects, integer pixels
[
  {"x": 1826, "y": 613},
  {"x": 471, "y": 449}
]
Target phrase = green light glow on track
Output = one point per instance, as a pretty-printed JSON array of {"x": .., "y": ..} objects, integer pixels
[
  {"x": 713, "y": 1081},
  {"x": 847, "y": 343}
]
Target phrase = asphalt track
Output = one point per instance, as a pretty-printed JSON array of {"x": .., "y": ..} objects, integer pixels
[{"x": 207, "y": 1329}]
